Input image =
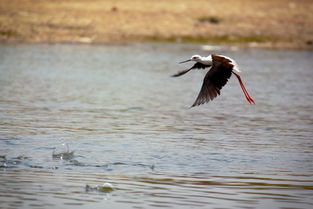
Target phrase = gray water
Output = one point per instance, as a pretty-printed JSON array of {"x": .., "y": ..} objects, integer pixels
[{"x": 75, "y": 117}]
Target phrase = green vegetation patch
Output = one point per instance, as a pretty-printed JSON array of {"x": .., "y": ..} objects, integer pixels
[
  {"x": 210, "y": 19},
  {"x": 215, "y": 39},
  {"x": 8, "y": 33}
]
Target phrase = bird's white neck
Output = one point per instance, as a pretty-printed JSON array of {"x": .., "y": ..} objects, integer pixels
[{"x": 206, "y": 60}]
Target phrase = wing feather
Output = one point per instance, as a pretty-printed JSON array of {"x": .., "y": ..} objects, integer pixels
[
  {"x": 214, "y": 80},
  {"x": 197, "y": 65}
]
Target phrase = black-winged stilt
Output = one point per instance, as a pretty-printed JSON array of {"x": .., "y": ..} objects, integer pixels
[{"x": 221, "y": 69}]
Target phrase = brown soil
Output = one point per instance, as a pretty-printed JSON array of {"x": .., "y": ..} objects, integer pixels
[{"x": 266, "y": 23}]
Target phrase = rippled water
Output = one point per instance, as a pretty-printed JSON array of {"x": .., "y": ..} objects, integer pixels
[{"x": 128, "y": 126}]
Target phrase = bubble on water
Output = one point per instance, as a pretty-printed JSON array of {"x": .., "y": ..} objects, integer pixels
[
  {"x": 63, "y": 152},
  {"x": 106, "y": 188}
]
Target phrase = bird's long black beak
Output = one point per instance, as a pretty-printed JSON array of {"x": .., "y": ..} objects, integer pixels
[{"x": 185, "y": 61}]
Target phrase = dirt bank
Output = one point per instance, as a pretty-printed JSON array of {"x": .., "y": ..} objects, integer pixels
[{"x": 266, "y": 23}]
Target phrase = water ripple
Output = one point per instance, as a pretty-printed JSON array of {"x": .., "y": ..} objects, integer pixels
[{"x": 128, "y": 124}]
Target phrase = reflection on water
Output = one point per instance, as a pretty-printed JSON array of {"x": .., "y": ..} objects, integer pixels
[{"x": 133, "y": 142}]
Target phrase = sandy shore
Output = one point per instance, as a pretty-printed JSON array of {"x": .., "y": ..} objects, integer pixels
[{"x": 266, "y": 23}]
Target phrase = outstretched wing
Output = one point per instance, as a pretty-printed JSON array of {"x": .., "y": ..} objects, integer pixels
[
  {"x": 197, "y": 65},
  {"x": 215, "y": 79}
]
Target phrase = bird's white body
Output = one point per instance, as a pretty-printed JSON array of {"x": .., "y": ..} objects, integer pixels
[
  {"x": 233, "y": 63},
  {"x": 208, "y": 61}
]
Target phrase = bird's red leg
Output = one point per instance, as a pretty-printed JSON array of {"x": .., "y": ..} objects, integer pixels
[{"x": 248, "y": 97}]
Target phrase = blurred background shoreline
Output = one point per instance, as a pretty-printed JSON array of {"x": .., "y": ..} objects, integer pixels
[{"x": 266, "y": 24}]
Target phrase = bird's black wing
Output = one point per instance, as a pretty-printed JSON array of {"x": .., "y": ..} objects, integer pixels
[
  {"x": 197, "y": 65},
  {"x": 214, "y": 80}
]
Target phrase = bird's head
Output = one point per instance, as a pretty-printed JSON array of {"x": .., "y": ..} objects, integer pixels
[{"x": 195, "y": 58}]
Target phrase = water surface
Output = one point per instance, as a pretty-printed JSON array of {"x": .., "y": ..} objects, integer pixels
[{"x": 128, "y": 124}]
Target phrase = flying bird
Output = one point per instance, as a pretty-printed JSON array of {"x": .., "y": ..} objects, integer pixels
[{"x": 222, "y": 68}]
